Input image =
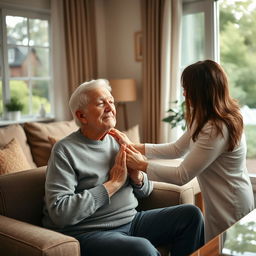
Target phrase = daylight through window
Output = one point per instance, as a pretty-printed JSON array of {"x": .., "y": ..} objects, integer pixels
[{"x": 25, "y": 62}]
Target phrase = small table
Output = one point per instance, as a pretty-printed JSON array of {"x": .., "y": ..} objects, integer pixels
[{"x": 238, "y": 240}]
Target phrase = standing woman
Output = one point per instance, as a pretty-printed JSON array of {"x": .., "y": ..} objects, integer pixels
[{"x": 214, "y": 147}]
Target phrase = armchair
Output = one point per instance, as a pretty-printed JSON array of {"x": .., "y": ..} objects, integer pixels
[{"x": 21, "y": 202}]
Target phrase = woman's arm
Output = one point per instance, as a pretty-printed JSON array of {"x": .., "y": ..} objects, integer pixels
[
  {"x": 203, "y": 152},
  {"x": 169, "y": 150}
]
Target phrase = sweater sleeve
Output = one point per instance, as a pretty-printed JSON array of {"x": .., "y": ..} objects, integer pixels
[
  {"x": 64, "y": 205},
  {"x": 144, "y": 190},
  {"x": 203, "y": 152},
  {"x": 168, "y": 150}
]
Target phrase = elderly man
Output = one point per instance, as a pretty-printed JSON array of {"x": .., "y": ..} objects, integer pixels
[{"x": 90, "y": 194}]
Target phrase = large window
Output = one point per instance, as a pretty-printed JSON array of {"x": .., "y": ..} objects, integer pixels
[
  {"x": 198, "y": 32},
  {"x": 25, "y": 61},
  {"x": 225, "y": 31},
  {"x": 237, "y": 21}
]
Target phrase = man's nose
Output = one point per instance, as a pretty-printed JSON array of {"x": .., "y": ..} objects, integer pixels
[{"x": 110, "y": 106}]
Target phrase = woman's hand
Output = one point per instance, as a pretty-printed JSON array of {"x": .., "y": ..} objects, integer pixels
[
  {"x": 135, "y": 160},
  {"x": 120, "y": 137},
  {"x": 136, "y": 176},
  {"x": 123, "y": 139}
]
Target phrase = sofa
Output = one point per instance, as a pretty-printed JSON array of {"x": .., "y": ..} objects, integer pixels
[{"x": 22, "y": 190}]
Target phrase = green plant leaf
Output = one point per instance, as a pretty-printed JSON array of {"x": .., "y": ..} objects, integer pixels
[
  {"x": 176, "y": 116},
  {"x": 14, "y": 105}
]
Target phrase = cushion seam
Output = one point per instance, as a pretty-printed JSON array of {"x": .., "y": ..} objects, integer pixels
[{"x": 3, "y": 202}]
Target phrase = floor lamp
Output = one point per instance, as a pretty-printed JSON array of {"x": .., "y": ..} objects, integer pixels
[{"x": 123, "y": 90}]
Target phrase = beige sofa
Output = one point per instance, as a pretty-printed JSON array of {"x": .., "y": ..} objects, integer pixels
[{"x": 22, "y": 192}]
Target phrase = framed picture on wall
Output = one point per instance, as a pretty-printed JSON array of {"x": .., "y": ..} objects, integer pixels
[{"x": 138, "y": 46}]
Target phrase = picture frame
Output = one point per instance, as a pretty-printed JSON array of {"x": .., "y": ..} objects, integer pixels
[{"x": 138, "y": 46}]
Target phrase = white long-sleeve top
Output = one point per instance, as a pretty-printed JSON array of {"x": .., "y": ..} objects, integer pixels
[{"x": 222, "y": 175}]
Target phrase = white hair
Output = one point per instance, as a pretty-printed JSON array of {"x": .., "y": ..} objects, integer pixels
[{"x": 79, "y": 97}]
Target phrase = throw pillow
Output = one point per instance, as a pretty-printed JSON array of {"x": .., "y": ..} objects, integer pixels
[
  {"x": 16, "y": 131},
  {"x": 38, "y": 133},
  {"x": 12, "y": 158}
]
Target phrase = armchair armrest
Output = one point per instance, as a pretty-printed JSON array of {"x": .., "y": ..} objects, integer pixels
[
  {"x": 165, "y": 194},
  {"x": 21, "y": 238}
]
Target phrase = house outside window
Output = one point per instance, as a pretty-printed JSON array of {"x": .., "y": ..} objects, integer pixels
[{"x": 25, "y": 62}]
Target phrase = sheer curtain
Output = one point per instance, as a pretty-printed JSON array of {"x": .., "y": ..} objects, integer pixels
[
  {"x": 161, "y": 26},
  {"x": 171, "y": 57}
]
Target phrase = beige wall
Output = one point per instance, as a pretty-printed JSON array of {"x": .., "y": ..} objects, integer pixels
[{"x": 117, "y": 21}]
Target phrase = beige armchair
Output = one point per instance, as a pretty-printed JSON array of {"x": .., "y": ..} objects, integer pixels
[{"x": 21, "y": 202}]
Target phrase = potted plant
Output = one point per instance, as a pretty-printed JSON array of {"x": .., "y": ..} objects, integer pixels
[
  {"x": 176, "y": 116},
  {"x": 14, "y": 108}
]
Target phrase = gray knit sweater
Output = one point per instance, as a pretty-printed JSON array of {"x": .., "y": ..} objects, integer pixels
[{"x": 75, "y": 199}]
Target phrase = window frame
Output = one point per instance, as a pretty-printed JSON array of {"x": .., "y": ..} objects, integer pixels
[
  {"x": 210, "y": 9},
  {"x": 33, "y": 14}
]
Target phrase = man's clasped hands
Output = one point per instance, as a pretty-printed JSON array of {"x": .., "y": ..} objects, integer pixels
[{"x": 129, "y": 161}]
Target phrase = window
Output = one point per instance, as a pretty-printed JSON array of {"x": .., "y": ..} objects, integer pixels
[
  {"x": 25, "y": 61},
  {"x": 198, "y": 32},
  {"x": 224, "y": 31},
  {"x": 238, "y": 57}
]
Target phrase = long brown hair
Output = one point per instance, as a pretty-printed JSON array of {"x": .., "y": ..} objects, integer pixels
[{"x": 207, "y": 98}]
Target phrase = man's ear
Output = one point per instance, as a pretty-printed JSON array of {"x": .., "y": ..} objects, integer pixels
[{"x": 81, "y": 116}]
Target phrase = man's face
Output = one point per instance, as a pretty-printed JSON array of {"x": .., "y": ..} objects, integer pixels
[{"x": 100, "y": 112}]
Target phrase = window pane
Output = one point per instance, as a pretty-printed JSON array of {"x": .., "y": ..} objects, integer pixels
[
  {"x": 238, "y": 57},
  {"x": 18, "y": 59},
  {"x": 38, "y": 32},
  {"x": 20, "y": 90},
  {"x": 17, "y": 30},
  {"x": 40, "y": 62},
  {"x": 40, "y": 91},
  {"x": 28, "y": 58},
  {"x": 193, "y": 38}
]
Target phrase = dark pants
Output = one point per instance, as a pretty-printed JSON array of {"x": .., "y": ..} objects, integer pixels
[{"x": 179, "y": 227}]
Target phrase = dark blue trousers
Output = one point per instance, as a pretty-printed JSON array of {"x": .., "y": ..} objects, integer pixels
[{"x": 179, "y": 227}]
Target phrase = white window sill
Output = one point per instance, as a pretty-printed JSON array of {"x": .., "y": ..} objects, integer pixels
[{"x": 25, "y": 120}]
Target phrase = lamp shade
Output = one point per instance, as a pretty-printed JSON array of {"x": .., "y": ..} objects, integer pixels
[{"x": 123, "y": 90}]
